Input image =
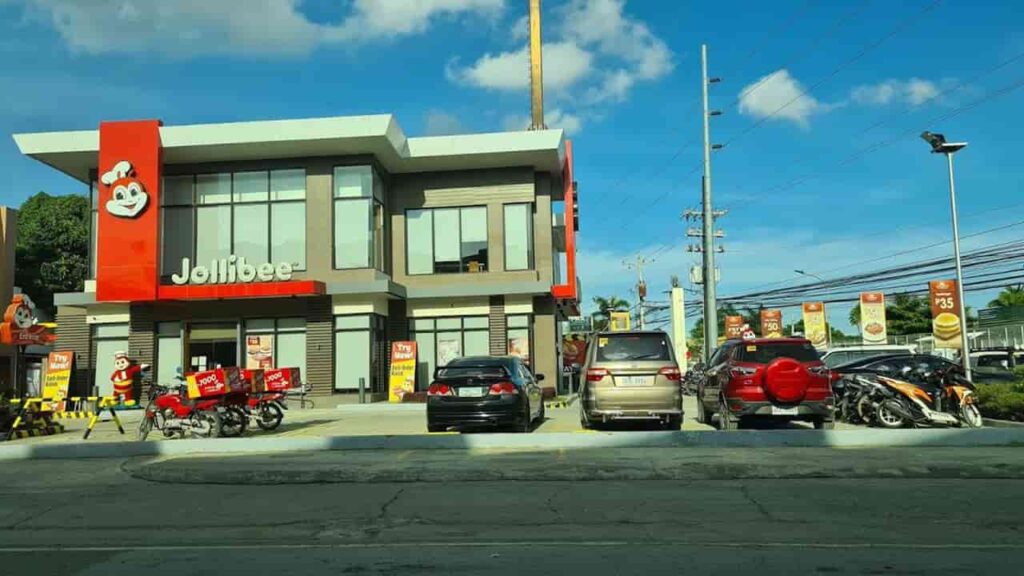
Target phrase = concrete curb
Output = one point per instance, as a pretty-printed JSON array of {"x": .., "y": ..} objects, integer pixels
[
  {"x": 993, "y": 423},
  {"x": 552, "y": 441},
  {"x": 382, "y": 407}
]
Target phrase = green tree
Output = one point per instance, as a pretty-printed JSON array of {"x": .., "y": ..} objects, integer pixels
[
  {"x": 605, "y": 306},
  {"x": 1010, "y": 296},
  {"x": 52, "y": 249}
]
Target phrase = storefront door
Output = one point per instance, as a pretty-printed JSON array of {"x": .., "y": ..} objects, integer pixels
[{"x": 212, "y": 345}]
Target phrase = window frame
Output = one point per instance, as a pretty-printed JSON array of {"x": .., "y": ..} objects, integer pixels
[
  {"x": 434, "y": 331},
  {"x": 433, "y": 239},
  {"x": 269, "y": 202},
  {"x": 531, "y": 263},
  {"x": 528, "y": 361},
  {"x": 376, "y": 252},
  {"x": 376, "y": 331}
]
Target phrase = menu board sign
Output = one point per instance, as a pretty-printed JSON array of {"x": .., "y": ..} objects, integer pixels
[
  {"x": 771, "y": 323},
  {"x": 945, "y": 303},
  {"x": 734, "y": 327},
  {"x": 815, "y": 328},
  {"x": 872, "y": 318}
]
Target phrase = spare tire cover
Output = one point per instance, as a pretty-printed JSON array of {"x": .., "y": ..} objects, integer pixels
[{"x": 786, "y": 380}]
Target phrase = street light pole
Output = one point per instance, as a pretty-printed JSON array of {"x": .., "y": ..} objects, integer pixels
[
  {"x": 965, "y": 339},
  {"x": 940, "y": 146}
]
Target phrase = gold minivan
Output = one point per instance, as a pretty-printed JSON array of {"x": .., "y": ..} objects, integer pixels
[{"x": 631, "y": 376}]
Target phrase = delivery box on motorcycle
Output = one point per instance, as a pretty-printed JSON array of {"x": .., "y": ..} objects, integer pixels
[
  {"x": 254, "y": 380},
  {"x": 215, "y": 382},
  {"x": 281, "y": 379}
]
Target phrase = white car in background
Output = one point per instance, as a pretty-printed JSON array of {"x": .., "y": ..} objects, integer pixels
[{"x": 841, "y": 355}]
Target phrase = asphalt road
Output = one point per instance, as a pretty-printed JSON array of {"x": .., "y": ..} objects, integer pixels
[{"x": 88, "y": 517}]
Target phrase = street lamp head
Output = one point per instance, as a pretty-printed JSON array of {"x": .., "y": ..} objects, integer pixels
[
  {"x": 939, "y": 144},
  {"x": 799, "y": 271}
]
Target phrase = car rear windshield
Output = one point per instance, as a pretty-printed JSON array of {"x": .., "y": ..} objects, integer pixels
[
  {"x": 624, "y": 347},
  {"x": 475, "y": 370},
  {"x": 765, "y": 353}
]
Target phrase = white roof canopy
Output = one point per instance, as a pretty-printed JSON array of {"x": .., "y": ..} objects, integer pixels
[{"x": 75, "y": 153}]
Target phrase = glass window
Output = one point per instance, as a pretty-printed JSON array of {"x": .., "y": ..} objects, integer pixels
[
  {"x": 617, "y": 347},
  {"x": 282, "y": 340},
  {"x": 442, "y": 340},
  {"x": 446, "y": 240},
  {"x": 177, "y": 238},
  {"x": 250, "y": 187},
  {"x": 423, "y": 324},
  {"x": 288, "y": 184},
  {"x": 447, "y": 253},
  {"x": 765, "y": 353},
  {"x": 177, "y": 190},
  {"x": 419, "y": 229},
  {"x": 351, "y": 359},
  {"x": 291, "y": 351},
  {"x": 261, "y": 325},
  {"x": 168, "y": 352},
  {"x": 351, "y": 322},
  {"x": 288, "y": 233},
  {"x": 449, "y": 323},
  {"x": 426, "y": 359},
  {"x": 352, "y": 245},
  {"x": 291, "y": 324},
  {"x": 213, "y": 188},
  {"x": 519, "y": 337},
  {"x": 110, "y": 330},
  {"x": 477, "y": 343},
  {"x": 353, "y": 182},
  {"x": 476, "y": 322},
  {"x": 518, "y": 237},
  {"x": 251, "y": 228},
  {"x": 213, "y": 233}
]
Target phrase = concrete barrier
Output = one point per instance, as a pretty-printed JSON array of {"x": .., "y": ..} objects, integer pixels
[{"x": 553, "y": 441}]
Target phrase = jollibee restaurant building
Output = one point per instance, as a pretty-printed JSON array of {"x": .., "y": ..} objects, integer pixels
[{"x": 316, "y": 243}]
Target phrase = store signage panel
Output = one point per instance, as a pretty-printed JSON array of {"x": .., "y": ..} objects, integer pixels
[
  {"x": 231, "y": 270},
  {"x": 128, "y": 234}
]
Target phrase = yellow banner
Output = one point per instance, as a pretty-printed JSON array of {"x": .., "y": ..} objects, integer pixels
[
  {"x": 402, "y": 379},
  {"x": 620, "y": 322},
  {"x": 57, "y": 378},
  {"x": 815, "y": 328},
  {"x": 872, "y": 318}
]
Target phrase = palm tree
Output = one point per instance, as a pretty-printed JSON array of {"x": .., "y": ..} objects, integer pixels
[
  {"x": 1010, "y": 296},
  {"x": 605, "y": 307}
]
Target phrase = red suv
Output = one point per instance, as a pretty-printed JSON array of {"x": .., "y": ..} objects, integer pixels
[{"x": 777, "y": 378}]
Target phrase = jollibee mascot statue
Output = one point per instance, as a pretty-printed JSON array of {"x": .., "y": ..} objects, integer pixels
[
  {"x": 748, "y": 332},
  {"x": 124, "y": 375}
]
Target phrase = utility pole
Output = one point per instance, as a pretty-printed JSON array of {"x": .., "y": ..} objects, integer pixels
[
  {"x": 536, "y": 69},
  {"x": 641, "y": 284},
  {"x": 708, "y": 215}
]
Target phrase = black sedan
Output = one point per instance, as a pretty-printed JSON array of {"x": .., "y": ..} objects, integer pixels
[
  {"x": 485, "y": 391},
  {"x": 894, "y": 363}
]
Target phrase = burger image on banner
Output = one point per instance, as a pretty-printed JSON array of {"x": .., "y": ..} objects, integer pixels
[{"x": 945, "y": 305}]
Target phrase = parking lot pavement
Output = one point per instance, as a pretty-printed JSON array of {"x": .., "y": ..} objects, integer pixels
[{"x": 366, "y": 420}]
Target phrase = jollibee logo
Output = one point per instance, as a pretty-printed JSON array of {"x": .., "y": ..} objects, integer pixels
[{"x": 127, "y": 196}]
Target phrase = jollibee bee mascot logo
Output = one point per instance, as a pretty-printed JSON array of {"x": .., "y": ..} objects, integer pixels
[
  {"x": 19, "y": 326},
  {"x": 128, "y": 197}
]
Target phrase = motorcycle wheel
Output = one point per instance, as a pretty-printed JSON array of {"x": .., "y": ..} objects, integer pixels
[
  {"x": 234, "y": 421},
  {"x": 887, "y": 417},
  {"x": 269, "y": 416},
  {"x": 212, "y": 419},
  {"x": 970, "y": 416},
  {"x": 864, "y": 410},
  {"x": 144, "y": 427}
]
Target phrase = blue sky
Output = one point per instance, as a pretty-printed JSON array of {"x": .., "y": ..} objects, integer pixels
[{"x": 622, "y": 76}]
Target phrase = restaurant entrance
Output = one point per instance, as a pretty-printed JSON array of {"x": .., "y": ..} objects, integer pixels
[{"x": 212, "y": 345}]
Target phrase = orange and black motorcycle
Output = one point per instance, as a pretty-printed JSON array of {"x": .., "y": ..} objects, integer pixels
[{"x": 940, "y": 398}]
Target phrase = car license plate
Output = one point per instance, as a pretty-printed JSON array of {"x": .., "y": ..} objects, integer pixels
[
  {"x": 471, "y": 391},
  {"x": 782, "y": 411},
  {"x": 634, "y": 380}
]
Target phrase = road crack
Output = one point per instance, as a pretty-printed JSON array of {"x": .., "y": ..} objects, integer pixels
[
  {"x": 384, "y": 507},
  {"x": 745, "y": 490}
]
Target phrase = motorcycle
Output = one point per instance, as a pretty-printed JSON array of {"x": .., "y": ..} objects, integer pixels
[
  {"x": 266, "y": 409},
  {"x": 941, "y": 398},
  {"x": 170, "y": 411},
  {"x": 860, "y": 396}
]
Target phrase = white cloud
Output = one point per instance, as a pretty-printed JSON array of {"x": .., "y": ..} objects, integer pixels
[
  {"x": 914, "y": 91},
  {"x": 190, "y": 27},
  {"x": 564, "y": 65},
  {"x": 779, "y": 95},
  {"x": 554, "y": 118},
  {"x": 441, "y": 123},
  {"x": 596, "y": 54}
]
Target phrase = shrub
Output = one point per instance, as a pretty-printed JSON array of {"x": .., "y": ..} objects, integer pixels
[{"x": 1004, "y": 401}]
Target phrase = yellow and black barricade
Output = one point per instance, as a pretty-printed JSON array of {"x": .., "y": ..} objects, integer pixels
[{"x": 38, "y": 414}]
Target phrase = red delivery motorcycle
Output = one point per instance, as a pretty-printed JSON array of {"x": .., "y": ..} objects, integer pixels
[{"x": 173, "y": 413}]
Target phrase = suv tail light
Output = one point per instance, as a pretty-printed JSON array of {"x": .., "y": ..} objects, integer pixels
[
  {"x": 440, "y": 390},
  {"x": 596, "y": 374},
  {"x": 741, "y": 371},
  {"x": 504, "y": 389},
  {"x": 671, "y": 373}
]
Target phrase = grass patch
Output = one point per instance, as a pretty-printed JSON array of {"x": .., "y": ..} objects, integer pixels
[{"x": 1003, "y": 401}]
